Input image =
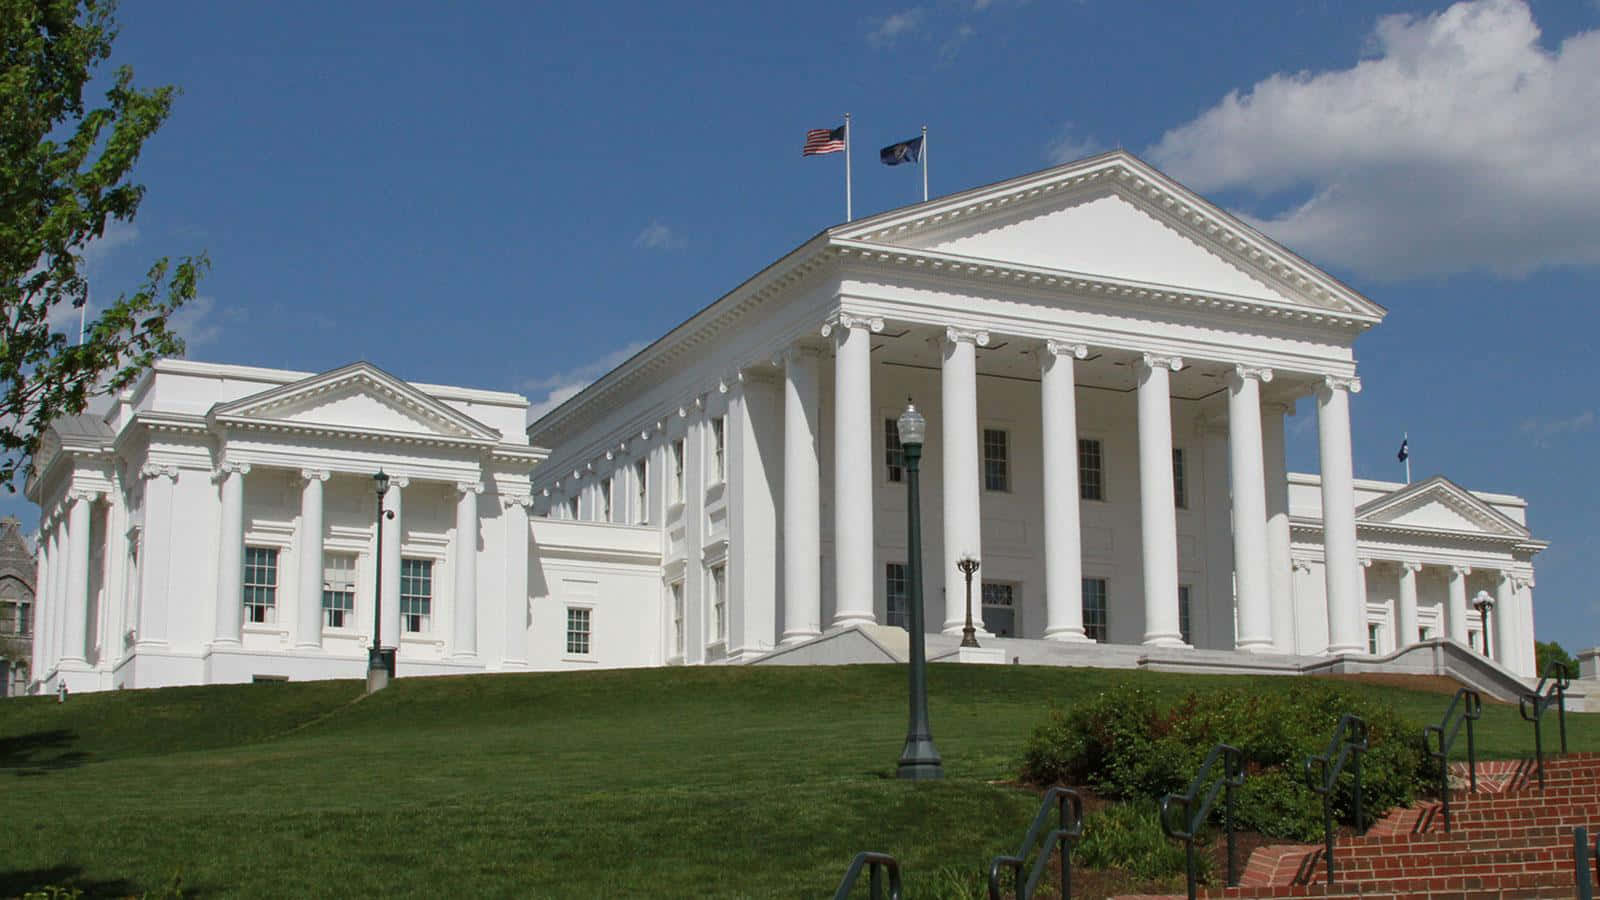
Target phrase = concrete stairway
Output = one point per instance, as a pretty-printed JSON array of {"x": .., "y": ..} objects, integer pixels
[{"x": 1512, "y": 839}]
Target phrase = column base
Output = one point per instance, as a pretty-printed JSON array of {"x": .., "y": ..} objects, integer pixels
[
  {"x": 1264, "y": 647},
  {"x": 225, "y": 642},
  {"x": 850, "y": 621},
  {"x": 1167, "y": 640},
  {"x": 1069, "y": 636},
  {"x": 954, "y": 629},
  {"x": 317, "y": 645},
  {"x": 790, "y": 638},
  {"x": 1336, "y": 649}
]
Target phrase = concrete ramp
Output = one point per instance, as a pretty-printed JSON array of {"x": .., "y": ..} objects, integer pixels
[{"x": 847, "y": 646}]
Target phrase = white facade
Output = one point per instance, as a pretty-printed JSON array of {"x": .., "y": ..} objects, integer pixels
[{"x": 1105, "y": 361}]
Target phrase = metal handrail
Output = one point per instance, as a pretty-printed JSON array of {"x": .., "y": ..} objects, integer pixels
[
  {"x": 1068, "y": 806},
  {"x": 1195, "y": 815},
  {"x": 1349, "y": 739},
  {"x": 1584, "y": 861},
  {"x": 1543, "y": 697},
  {"x": 1470, "y": 706},
  {"x": 878, "y": 863}
]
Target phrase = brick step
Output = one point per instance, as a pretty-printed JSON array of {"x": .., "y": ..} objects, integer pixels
[
  {"x": 1523, "y": 886},
  {"x": 1510, "y": 836}
]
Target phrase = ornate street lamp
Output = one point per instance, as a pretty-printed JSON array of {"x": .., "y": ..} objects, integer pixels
[
  {"x": 968, "y": 564},
  {"x": 1484, "y": 604},
  {"x": 380, "y": 662},
  {"x": 919, "y": 761}
]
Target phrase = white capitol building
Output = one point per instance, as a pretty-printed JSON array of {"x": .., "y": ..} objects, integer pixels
[{"x": 1105, "y": 359}]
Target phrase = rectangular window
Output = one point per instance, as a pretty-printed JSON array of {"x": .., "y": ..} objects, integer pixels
[
  {"x": 260, "y": 585},
  {"x": 719, "y": 447},
  {"x": 1180, "y": 493},
  {"x": 577, "y": 630},
  {"x": 416, "y": 595},
  {"x": 719, "y": 603},
  {"x": 605, "y": 500},
  {"x": 339, "y": 590},
  {"x": 1472, "y": 640},
  {"x": 996, "y": 460},
  {"x": 894, "y": 456},
  {"x": 1091, "y": 477},
  {"x": 677, "y": 471},
  {"x": 896, "y": 590},
  {"x": 1372, "y": 638},
  {"x": 677, "y": 619},
  {"x": 1000, "y": 609},
  {"x": 1183, "y": 614},
  {"x": 24, "y": 618},
  {"x": 1424, "y": 634},
  {"x": 1094, "y": 609},
  {"x": 641, "y": 487}
]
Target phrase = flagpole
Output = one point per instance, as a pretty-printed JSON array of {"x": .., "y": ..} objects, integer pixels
[
  {"x": 82, "y": 311},
  {"x": 847, "y": 211},
  {"x": 1406, "y": 438},
  {"x": 924, "y": 164}
]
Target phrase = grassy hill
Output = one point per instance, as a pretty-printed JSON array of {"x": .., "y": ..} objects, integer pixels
[{"x": 737, "y": 782}]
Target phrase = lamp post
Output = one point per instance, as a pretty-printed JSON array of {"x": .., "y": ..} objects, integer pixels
[
  {"x": 919, "y": 761},
  {"x": 968, "y": 564},
  {"x": 380, "y": 662},
  {"x": 1484, "y": 604}
]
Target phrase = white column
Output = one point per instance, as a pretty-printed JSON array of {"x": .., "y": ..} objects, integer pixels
[
  {"x": 41, "y": 595},
  {"x": 58, "y": 593},
  {"x": 516, "y": 608},
  {"x": 1529, "y": 663},
  {"x": 155, "y": 557},
  {"x": 958, "y": 446},
  {"x": 1247, "y": 475},
  {"x": 464, "y": 637},
  {"x": 308, "y": 618},
  {"x": 1456, "y": 609},
  {"x": 802, "y": 499},
  {"x": 852, "y": 469},
  {"x": 75, "y": 633},
  {"x": 230, "y": 554},
  {"x": 1280, "y": 566},
  {"x": 1158, "y": 518},
  {"x": 393, "y": 501},
  {"x": 1406, "y": 609},
  {"x": 1346, "y": 617},
  {"x": 1505, "y": 621},
  {"x": 1063, "y": 538}
]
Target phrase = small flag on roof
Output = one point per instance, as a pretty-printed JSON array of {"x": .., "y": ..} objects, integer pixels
[
  {"x": 824, "y": 140},
  {"x": 903, "y": 152},
  {"x": 1405, "y": 449}
]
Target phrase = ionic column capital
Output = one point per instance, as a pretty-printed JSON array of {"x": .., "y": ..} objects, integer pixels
[
  {"x": 523, "y": 500},
  {"x": 957, "y": 335},
  {"x": 224, "y": 469},
  {"x": 1341, "y": 383},
  {"x": 844, "y": 322},
  {"x": 1058, "y": 349},
  {"x": 1522, "y": 582},
  {"x": 1409, "y": 566},
  {"x": 1301, "y": 564},
  {"x": 1243, "y": 372},
  {"x": 400, "y": 481},
  {"x": 469, "y": 487},
  {"x": 1463, "y": 571},
  {"x": 89, "y": 494},
  {"x": 314, "y": 474},
  {"x": 1159, "y": 361},
  {"x": 1365, "y": 562},
  {"x": 157, "y": 470}
]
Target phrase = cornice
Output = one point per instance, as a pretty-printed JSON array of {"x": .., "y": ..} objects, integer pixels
[
  {"x": 1314, "y": 527},
  {"x": 228, "y": 423}
]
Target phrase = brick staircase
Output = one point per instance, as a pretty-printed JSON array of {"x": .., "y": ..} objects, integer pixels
[{"x": 1511, "y": 839}]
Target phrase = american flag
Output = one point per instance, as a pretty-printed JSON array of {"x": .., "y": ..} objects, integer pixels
[{"x": 823, "y": 140}]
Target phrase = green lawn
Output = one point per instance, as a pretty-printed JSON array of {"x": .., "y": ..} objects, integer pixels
[{"x": 736, "y": 782}]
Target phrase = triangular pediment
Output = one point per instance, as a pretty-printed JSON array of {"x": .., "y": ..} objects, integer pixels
[
  {"x": 1438, "y": 504},
  {"x": 1112, "y": 216},
  {"x": 358, "y": 398}
]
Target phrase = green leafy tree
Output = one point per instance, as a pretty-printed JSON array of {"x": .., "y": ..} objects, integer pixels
[
  {"x": 1547, "y": 652},
  {"x": 64, "y": 174}
]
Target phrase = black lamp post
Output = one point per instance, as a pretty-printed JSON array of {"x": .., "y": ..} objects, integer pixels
[
  {"x": 1484, "y": 605},
  {"x": 380, "y": 662},
  {"x": 968, "y": 564},
  {"x": 919, "y": 761}
]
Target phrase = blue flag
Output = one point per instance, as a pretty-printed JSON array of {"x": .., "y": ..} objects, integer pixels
[{"x": 903, "y": 152}]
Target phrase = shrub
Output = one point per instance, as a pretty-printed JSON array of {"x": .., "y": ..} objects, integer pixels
[
  {"x": 1128, "y": 836},
  {"x": 1123, "y": 743}
]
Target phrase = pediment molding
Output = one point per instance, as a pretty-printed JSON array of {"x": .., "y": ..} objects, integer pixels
[
  {"x": 1130, "y": 178},
  {"x": 434, "y": 421},
  {"x": 1391, "y": 509}
]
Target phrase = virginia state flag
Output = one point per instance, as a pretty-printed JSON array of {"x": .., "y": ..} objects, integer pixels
[{"x": 903, "y": 152}]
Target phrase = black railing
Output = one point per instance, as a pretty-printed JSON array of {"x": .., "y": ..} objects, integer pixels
[
  {"x": 1068, "y": 807},
  {"x": 1585, "y": 860},
  {"x": 1196, "y": 804},
  {"x": 1322, "y": 775},
  {"x": 878, "y": 863},
  {"x": 1464, "y": 710},
  {"x": 1552, "y": 691}
]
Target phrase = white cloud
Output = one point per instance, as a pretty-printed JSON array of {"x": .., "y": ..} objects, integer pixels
[
  {"x": 198, "y": 322},
  {"x": 1543, "y": 431},
  {"x": 657, "y": 236},
  {"x": 951, "y": 47},
  {"x": 1069, "y": 147},
  {"x": 888, "y": 29},
  {"x": 562, "y": 386},
  {"x": 1461, "y": 144}
]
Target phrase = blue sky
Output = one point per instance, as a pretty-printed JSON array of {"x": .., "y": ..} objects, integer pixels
[{"x": 516, "y": 196}]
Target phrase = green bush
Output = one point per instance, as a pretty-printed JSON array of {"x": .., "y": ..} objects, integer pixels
[
  {"x": 1126, "y": 744},
  {"x": 1128, "y": 836}
]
